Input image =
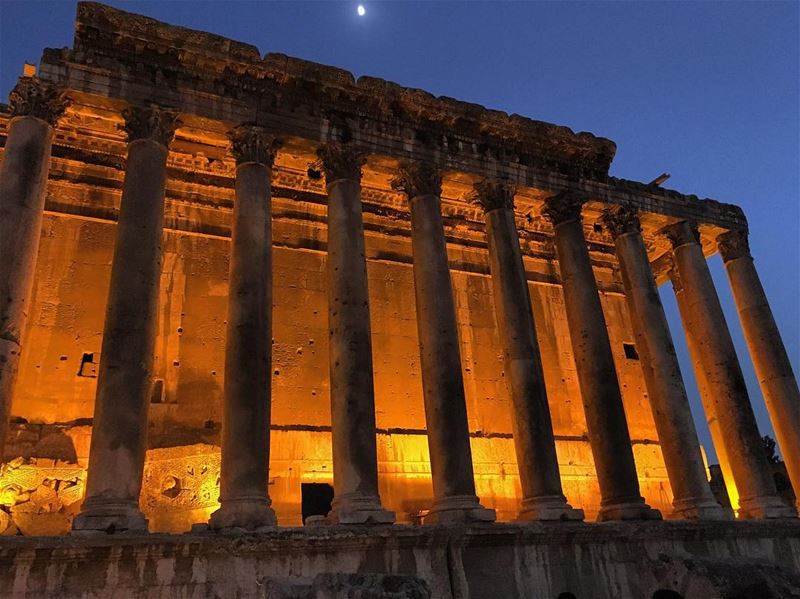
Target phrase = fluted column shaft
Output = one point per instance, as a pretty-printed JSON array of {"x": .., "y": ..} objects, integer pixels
[
  {"x": 35, "y": 108},
  {"x": 119, "y": 432},
  {"x": 244, "y": 469},
  {"x": 440, "y": 356},
  {"x": 725, "y": 397},
  {"x": 692, "y": 496},
  {"x": 602, "y": 400},
  {"x": 542, "y": 495},
  {"x": 771, "y": 362},
  {"x": 355, "y": 461}
]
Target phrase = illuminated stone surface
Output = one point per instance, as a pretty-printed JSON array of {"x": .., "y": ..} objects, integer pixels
[{"x": 212, "y": 86}]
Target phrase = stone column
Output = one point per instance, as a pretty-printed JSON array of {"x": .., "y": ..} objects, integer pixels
[
  {"x": 440, "y": 356},
  {"x": 244, "y": 469},
  {"x": 725, "y": 395},
  {"x": 542, "y": 496},
  {"x": 35, "y": 109},
  {"x": 597, "y": 377},
  {"x": 355, "y": 460},
  {"x": 692, "y": 496},
  {"x": 772, "y": 365},
  {"x": 119, "y": 432}
]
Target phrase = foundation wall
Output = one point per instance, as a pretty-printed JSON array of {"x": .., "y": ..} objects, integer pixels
[{"x": 590, "y": 561}]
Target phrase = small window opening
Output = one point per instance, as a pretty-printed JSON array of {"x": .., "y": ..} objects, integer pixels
[
  {"x": 89, "y": 362},
  {"x": 630, "y": 351},
  {"x": 597, "y": 227},
  {"x": 157, "y": 392},
  {"x": 316, "y": 499}
]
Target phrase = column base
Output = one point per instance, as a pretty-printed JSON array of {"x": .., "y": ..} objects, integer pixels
[
  {"x": 109, "y": 516},
  {"x": 458, "y": 509},
  {"x": 548, "y": 508},
  {"x": 699, "y": 509},
  {"x": 244, "y": 513},
  {"x": 764, "y": 507},
  {"x": 359, "y": 509},
  {"x": 628, "y": 510}
]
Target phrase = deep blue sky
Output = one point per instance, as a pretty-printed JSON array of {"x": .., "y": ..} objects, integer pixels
[{"x": 707, "y": 91}]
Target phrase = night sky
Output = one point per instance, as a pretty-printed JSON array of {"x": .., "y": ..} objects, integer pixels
[{"x": 706, "y": 91}]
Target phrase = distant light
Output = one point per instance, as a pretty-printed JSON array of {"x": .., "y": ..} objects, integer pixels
[{"x": 361, "y": 10}]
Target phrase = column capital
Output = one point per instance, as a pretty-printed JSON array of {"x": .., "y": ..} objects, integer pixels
[
  {"x": 33, "y": 97},
  {"x": 563, "y": 207},
  {"x": 418, "y": 179},
  {"x": 491, "y": 194},
  {"x": 674, "y": 275},
  {"x": 149, "y": 122},
  {"x": 620, "y": 220},
  {"x": 250, "y": 143},
  {"x": 341, "y": 161},
  {"x": 681, "y": 233},
  {"x": 733, "y": 244}
]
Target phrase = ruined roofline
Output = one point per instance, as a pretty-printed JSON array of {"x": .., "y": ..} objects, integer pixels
[
  {"x": 129, "y": 58},
  {"x": 104, "y": 34}
]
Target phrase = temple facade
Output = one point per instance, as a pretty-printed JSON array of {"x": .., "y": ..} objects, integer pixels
[{"x": 234, "y": 288}]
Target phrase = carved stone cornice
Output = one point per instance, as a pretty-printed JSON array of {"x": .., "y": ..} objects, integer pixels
[
  {"x": 250, "y": 143},
  {"x": 418, "y": 179},
  {"x": 491, "y": 194},
  {"x": 33, "y": 97},
  {"x": 733, "y": 245},
  {"x": 563, "y": 207},
  {"x": 681, "y": 233},
  {"x": 341, "y": 161},
  {"x": 620, "y": 220},
  {"x": 147, "y": 122}
]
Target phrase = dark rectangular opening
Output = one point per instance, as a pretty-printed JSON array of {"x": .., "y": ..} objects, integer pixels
[
  {"x": 157, "y": 392},
  {"x": 630, "y": 351},
  {"x": 88, "y": 367},
  {"x": 316, "y": 499}
]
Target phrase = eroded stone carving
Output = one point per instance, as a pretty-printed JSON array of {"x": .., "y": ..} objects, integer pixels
[
  {"x": 563, "y": 207},
  {"x": 491, "y": 194},
  {"x": 620, "y": 220},
  {"x": 39, "y": 496},
  {"x": 681, "y": 233},
  {"x": 33, "y": 97},
  {"x": 341, "y": 161},
  {"x": 733, "y": 245},
  {"x": 253, "y": 144},
  {"x": 418, "y": 179},
  {"x": 147, "y": 122}
]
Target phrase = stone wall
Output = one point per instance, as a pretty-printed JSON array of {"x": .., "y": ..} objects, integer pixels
[
  {"x": 584, "y": 561},
  {"x": 57, "y": 379}
]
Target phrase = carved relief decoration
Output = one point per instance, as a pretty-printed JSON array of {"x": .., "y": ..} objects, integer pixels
[
  {"x": 620, "y": 220},
  {"x": 681, "y": 233},
  {"x": 733, "y": 245},
  {"x": 563, "y": 207},
  {"x": 418, "y": 179},
  {"x": 253, "y": 144},
  {"x": 33, "y": 97},
  {"x": 341, "y": 161},
  {"x": 491, "y": 194},
  {"x": 674, "y": 275},
  {"x": 150, "y": 123}
]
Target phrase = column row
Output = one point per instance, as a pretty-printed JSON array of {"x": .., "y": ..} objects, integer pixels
[{"x": 120, "y": 421}]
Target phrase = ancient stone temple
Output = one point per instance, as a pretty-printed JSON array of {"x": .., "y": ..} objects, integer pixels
[{"x": 243, "y": 294}]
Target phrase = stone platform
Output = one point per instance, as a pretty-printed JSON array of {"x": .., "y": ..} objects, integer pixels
[{"x": 740, "y": 560}]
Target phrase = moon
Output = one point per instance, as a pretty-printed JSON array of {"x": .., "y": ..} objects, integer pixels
[{"x": 361, "y": 10}]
